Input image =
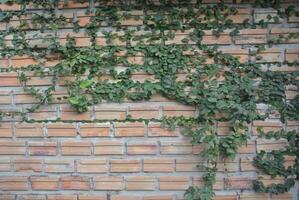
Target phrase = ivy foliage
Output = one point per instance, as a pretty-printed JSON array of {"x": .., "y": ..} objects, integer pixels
[{"x": 219, "y": 85}]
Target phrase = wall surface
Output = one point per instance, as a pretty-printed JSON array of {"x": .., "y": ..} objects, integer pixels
[{"x": 64, "y": 155}]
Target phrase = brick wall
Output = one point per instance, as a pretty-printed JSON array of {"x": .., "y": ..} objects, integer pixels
[{"x": 113, "y": 160}]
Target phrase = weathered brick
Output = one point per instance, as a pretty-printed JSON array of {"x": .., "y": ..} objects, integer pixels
[
  {"x": 5, "y": 130},
  {"x": 92, "y": 166},
  {"x": 158, "y": 165},
  {"x": 269, "y": 145},
  {"x": 74, "y": 183},
  {"x": 276, "y": 33},
  {"x": 61, "y": 130},
  {"x": 125, "y": 197},
  {"x": 42, "y": 148},
  {"x": 125, "y": 166},
  {"x": 263, "y": 14},
  {"x": 29, "y": 130},
  {"x": 59, "y": 166},
  {"x": 144, "y": 112},
  {"x": 7, "y": 197},
  {"x": 266, "y": 126},
  {"x": 174, "y": 183},
  {"x": 179, "y": 147},
  {"x": 47, "y": 113},
  {"x": 70, "y": 114},
  {"x": 292, "y": 55},
  {"x": 141, "y": 148},
  {"x": 155, "y": 130},
  {"x": 27, "y": 165},
  {"x": 258, "y": 196},
  {"x": 285, "y": 196},
  {"x": 62, "y": 197},
  {"x": 8, "y": 183},
  {"x": 92, "y": 197},
  {"x": 129, "y": 129},
  {"x": 5, "y": 165},
  {"x": 158, "y": 197},
  {"x": 5, "y": 97},
  {"x": 198, "y": 182},
  {"x": 251, "y": 36},
  {"x": 75, "y": 148},
  {"x": 108, "y": 183},
  {"x": 140, "y": 183},
  {"x": 106, "y": 113},
  {"x": 32, "y": 197},
  {"x": 248, "y": 148},
  {"x": 109, "y": 148},
  {"x": 268, "y": 56},
  {"x": 238, "y": 182},
  {"x": 12, "y": 148},
  {"x": 10, "y": 7},
  {"x": 187, "y": 165},
  {"x": 95, "y": 130},
  {"x": 44, "y": 183},
  {"x": 72, "y": 4},
  {"x": 179, "y": 110}
]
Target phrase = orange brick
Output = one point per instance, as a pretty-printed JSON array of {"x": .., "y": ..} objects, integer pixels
[
  {"x": 5, "y": 130},
  {"x": 44, "y": 183},
  {"x": 233, "y": 183},
  {"x": 42, "y": 148},
  {"x": 59, "y": 166},
  {"x": 144, "y": 112},
  {"x": 92, "y": 166},
  {"x": 174, "y": 183},
  {"x": 62, "y": 197},
  {"x": 179, "y": 147},
  {"x": 179, "y": 110},
  {"x": 125, "y": 166},
  {"x": 155, "y": 130},
  {"x": 48, "y": 113},
  {"x": 95, "y": 130},
  {"x": 91, "y": 197},
  {"x": 15, "y": 183},
  {"x": 106, "y": 113},
  {"x": 70, "y": 114},
  {"x": 61, "y": 130},
  {"x": 12, "y": 148},
  {"x": 130, "y": 129},
  {"x": 108, "y": 183},
  {"x": 74, "y": 183},
  {"x": 22, "y": 61},
  {"x": 109, "y": 148},
  {"x": 158, "y": 165},
  {"x": 157, "y": 197},
  {"x": 198, "y": 182},
  {"x": 29, "y": 130},
  {"x": 76, "y": 148},
  {"x": 139, "y": 148},
  {"x": 27, "y": 165},
  {"x": 5, "y": 166},
  {"x": 140, "y": 183},
  {"x": 187, "y": 165}
]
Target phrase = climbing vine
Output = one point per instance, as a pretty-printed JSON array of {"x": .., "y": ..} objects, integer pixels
[{"x": 224, "y": 90}]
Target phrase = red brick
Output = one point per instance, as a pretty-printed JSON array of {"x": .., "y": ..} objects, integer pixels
[
  {"x": 92, "y": 166},
  {"x": 27, "y": 165},
  {"x": 141, "y": 148},
  {"x": 108, "y": 183},
  {"x": 155, "y": 130},
  {"x": 144, "y": 112},
  {"x": 158, "y": 165},
  {"x": 76, "y": 148},
  {"x": 106, "y": 113},
  {"x": 12, "y": 148},
  {"x": 140, "y": 183},
  {"x": 5, "y": 130},
  {"x": 13, "y": 183},
  {"x": 44, "y": 183},
  {"x": 42, "y": 148},
  {"x": 174, "y": 183},
  {"x": 95, "y": 130},
  {"x": 179, "y": 147},
  {"x": 29, "y": 130},
  {"x": 59, "y": 166},
  {"x": 109, "y": 148},
  {"x": 125, "y": 166},
  {"x": 61, "y": 130},
  {"x": 130, "y": 129},
  {"x": 74, "y": 183}
]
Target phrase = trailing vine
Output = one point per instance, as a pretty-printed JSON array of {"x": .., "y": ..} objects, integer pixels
[{"x": 226, "y": 90}]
